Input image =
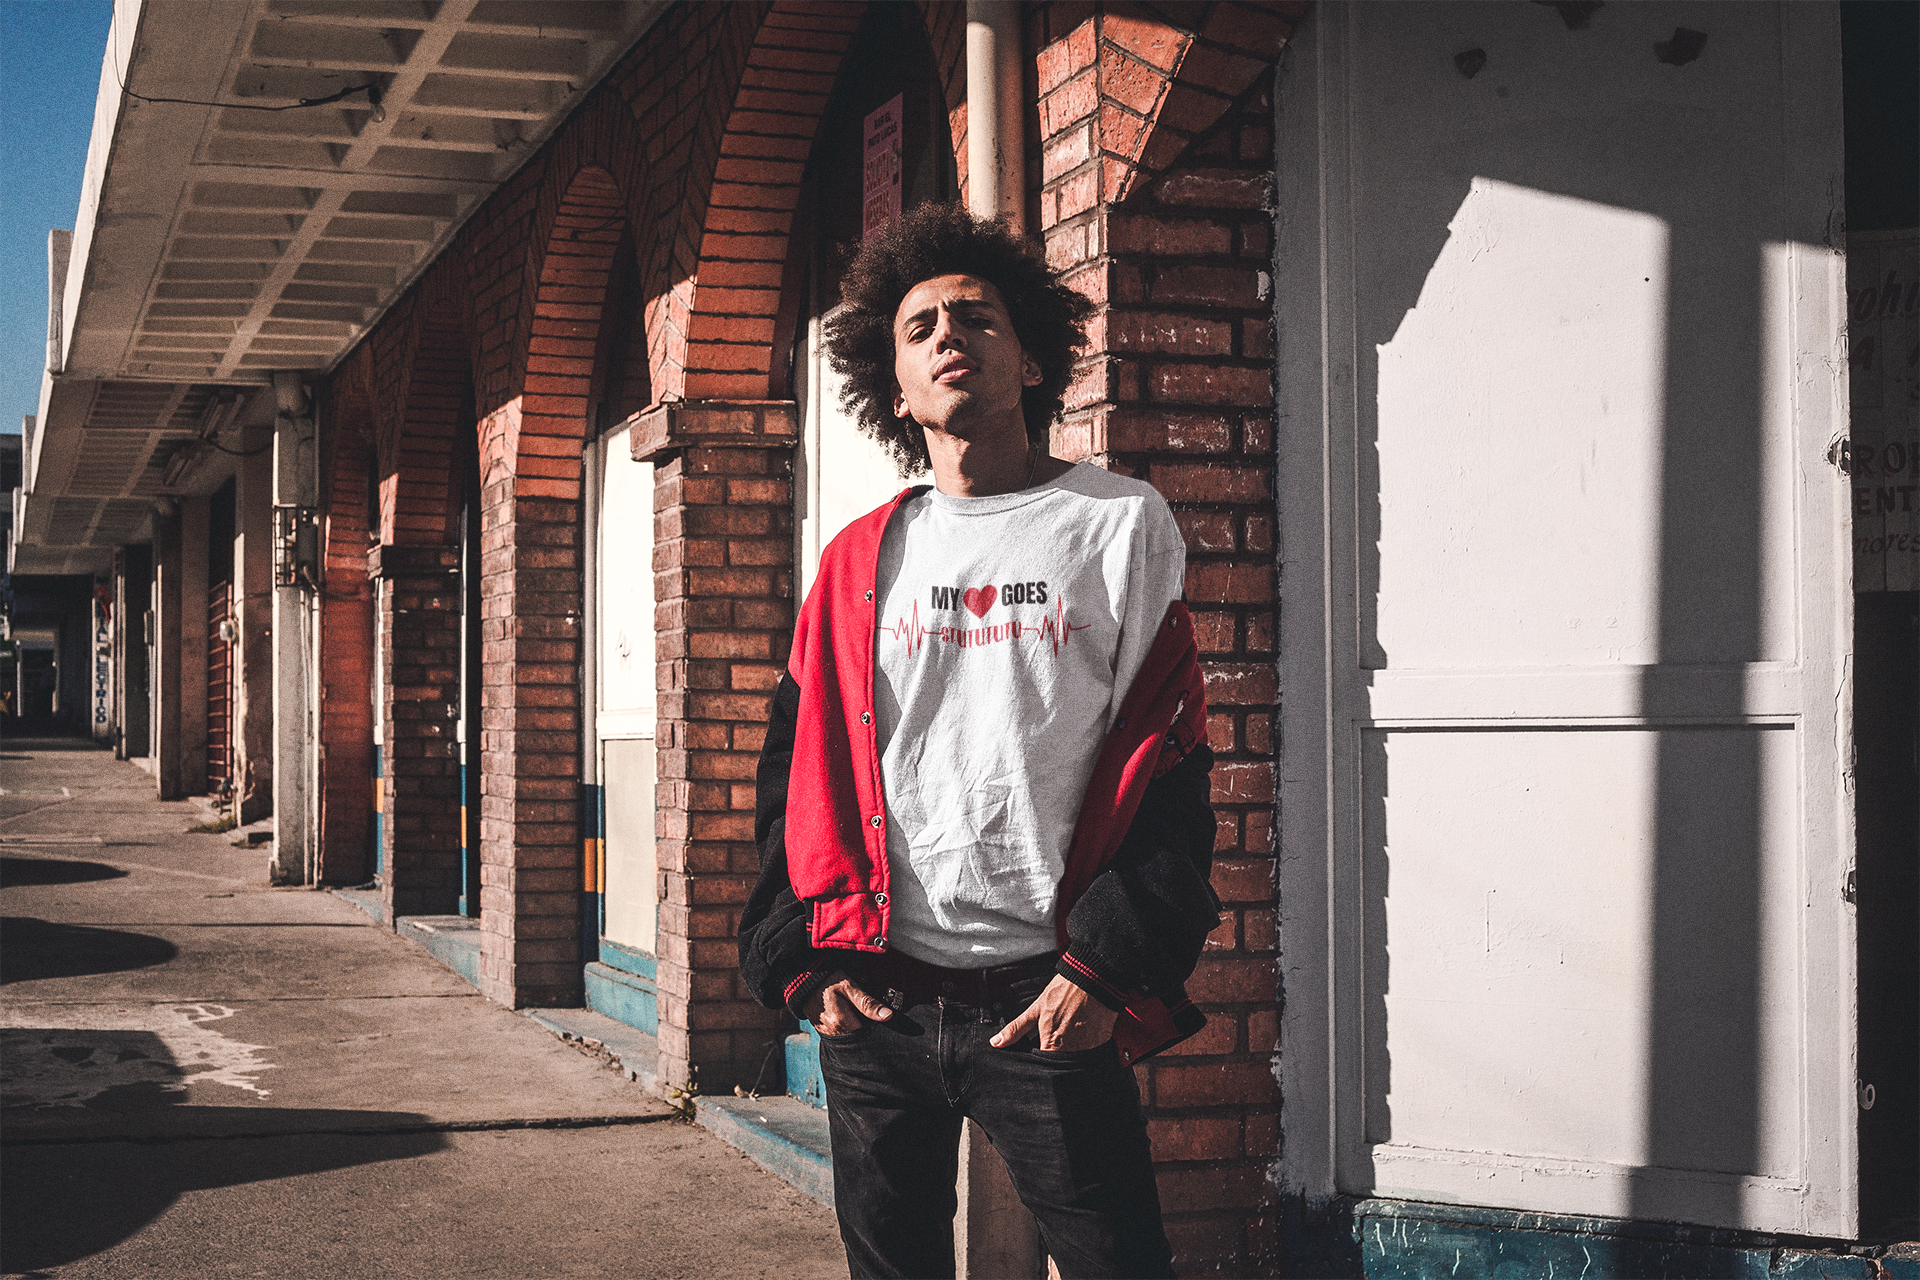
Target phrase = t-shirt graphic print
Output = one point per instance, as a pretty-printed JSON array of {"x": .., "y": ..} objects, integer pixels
[{"x": 1009, "y": 631}]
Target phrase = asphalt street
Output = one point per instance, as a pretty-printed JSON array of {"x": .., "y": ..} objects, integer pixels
[{"x": 201, "y": 1075}]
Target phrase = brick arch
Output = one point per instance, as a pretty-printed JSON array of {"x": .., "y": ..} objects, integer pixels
[
  {"x": 420, "y": 479},
  {"x": 538, "y": 442},
  {"x": 732, "y": 301},
  {"x": 596, "y": 172},
  {"x": 946, "y": 26},
  {"x": 531, "y": 607},
  {"x": 1158, "y": 80}
]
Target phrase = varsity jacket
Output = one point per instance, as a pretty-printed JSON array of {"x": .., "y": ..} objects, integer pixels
[{"x": 1135, "y": 904}]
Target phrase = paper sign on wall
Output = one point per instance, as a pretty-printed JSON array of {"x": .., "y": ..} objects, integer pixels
[
  {"x": 1883, "y": 463},
  {"x": 881, "y": 196}
]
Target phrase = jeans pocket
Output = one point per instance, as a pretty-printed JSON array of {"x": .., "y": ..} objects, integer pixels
[
  {"x": 1076, "y": 1057},
  {"x": 854, "y": 1036}
]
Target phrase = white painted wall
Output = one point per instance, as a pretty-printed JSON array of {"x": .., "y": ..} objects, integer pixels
[
  {"x": 1565, "y": 597},
  {"x": 839, "y": 474},
  {"x": 626, "y": 708}
]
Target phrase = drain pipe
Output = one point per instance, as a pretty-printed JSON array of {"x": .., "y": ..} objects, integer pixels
[{"x": 996, "y": 136}]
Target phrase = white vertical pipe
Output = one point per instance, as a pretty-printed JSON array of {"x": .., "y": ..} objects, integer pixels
[{"x": 996, "y": 139}]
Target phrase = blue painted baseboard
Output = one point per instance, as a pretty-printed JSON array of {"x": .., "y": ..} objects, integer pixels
[
  {"x": 622, "y": 996},
  {"x": 368, "y": 900},
  {"x": 1402, "y": 1240},
  {"x": 452, "y": 940},
  {"x": 803, "y": 1068}
]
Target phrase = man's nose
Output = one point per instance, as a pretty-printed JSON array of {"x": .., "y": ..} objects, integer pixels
[{"x": 945, "y": 334}]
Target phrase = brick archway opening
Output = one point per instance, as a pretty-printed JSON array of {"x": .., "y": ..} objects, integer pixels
[
  {"x": 418, "y": 606},
  {"x": 346, "y": 643},
  {"x": 531, "y": 606}
]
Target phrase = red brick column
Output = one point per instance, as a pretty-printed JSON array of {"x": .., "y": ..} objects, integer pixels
[
  {"x": 723, "y": 592},
  {"x": 346, "y": 662},
  {"x": 1156, "y": 160},
  {"x": 530, "y": 723},
  {"x": 419, "y": 636}
]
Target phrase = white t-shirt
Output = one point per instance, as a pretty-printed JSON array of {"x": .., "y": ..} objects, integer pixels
[{"x": 1010, "y": 630}]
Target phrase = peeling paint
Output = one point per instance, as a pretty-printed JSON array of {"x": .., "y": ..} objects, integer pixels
[{"x": 65, "y": 1056}]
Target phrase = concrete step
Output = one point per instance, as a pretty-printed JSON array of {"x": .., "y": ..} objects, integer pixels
[
  {"x": 635, "y": 1052},
  {"x": 782, "y": 1135},
  {"x": 452, "y": 940},
  {"x": 368, "y": 900}
]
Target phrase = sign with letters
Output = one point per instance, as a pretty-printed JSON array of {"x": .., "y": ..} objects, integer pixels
[
  {"x": 880, "y": 202},
  {"x": 1883, "y": 447}
]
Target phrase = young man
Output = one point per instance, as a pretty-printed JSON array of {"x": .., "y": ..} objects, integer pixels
[{"x": 983, "y": 812}]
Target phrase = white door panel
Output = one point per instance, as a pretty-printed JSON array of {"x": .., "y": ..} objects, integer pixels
[
  {"x": 625, "y": 702},
  {"x": 1564, "y": 826}
]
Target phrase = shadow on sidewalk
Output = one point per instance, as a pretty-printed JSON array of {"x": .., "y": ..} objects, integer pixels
[
  {"x": 100, "y": 1140},
  {"x": 31, "y": 949},
  {"x": 68, "y": 1201},
  {"x": 21, "y": 871}
]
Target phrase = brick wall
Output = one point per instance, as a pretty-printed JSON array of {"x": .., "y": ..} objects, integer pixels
[
  {"x": 1151, "y": 166},
  {"x": 723, "y": 592},
  {"x": 418, "y": 626},
  {"x": 1149, "y": 163},
  {"x": 346, "y": 646}
]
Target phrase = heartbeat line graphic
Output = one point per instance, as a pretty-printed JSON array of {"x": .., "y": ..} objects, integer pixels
[
  {"x": 911, "y": 632},
  {"x": 1055, "y": 630}
]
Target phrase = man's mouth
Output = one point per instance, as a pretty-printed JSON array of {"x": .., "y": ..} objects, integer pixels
[{"x": 953, "y": 370}]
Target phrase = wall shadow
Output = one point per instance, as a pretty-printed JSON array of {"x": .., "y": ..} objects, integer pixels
[{"x": 32, "y": 949}]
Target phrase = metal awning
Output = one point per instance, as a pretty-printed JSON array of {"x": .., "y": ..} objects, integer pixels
[{"x": 216, "y": 244}]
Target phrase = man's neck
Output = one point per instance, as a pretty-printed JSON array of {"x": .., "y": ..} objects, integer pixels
[{"x": 982, "y": 464}]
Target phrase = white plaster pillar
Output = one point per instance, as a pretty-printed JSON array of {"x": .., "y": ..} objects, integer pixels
[{"x": 296, "y": 762}]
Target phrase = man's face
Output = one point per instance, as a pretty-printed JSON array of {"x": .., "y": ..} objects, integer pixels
[{"x": 956, "y": 360}]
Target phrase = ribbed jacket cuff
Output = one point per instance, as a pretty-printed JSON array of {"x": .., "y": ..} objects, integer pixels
[
  {"x": 1084, "y": 976},
  {"x": 804, "y": 987}
]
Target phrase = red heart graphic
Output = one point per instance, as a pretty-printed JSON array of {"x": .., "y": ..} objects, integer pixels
[{"x": 980, "y": 599}]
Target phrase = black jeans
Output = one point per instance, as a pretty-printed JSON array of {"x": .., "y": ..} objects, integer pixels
[{"x": 1068, "y": 1125}]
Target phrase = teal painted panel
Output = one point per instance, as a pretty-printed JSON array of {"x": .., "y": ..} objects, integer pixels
[
  {"x": 618, "y": 955},
  {"x": 1425, "y": 1242},
  {"x": 624, "y": 997},
  {"x": 1901, "y": 1262},
  {"x": 452, "y": 940},
  {"x": 804, "y": 1080}
]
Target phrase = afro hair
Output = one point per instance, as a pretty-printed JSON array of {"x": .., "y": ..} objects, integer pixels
[{"x": 938, "y": 240}]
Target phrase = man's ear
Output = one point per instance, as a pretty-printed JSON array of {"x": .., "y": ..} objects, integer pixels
[
  {"x": 900, "y": 409},
  {"x": 1030, "y": 372}
]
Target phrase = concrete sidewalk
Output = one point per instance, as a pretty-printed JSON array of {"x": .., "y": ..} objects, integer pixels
[{"x": 206, "y": 1076}]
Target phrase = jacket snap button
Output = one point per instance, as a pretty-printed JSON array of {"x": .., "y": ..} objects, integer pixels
[
  {"x": 875, "y": 819},
  {"x": 880, "y": 943},
  {"x": 879, "y": 899},
  {"x": 866, "y": 717},
  {"x": 869, "y": 595}
]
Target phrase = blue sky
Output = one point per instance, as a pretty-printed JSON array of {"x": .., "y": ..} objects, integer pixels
[{"x": 52, "y": 74}]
